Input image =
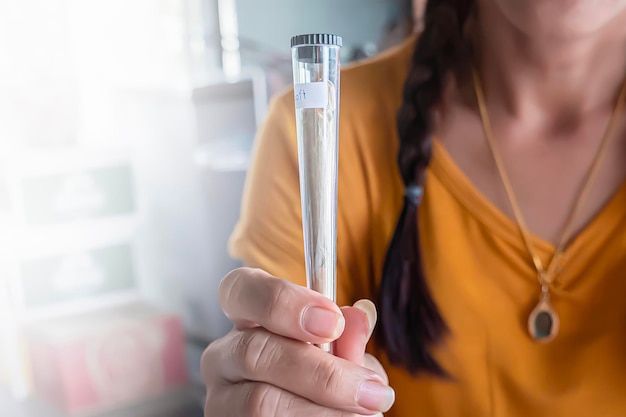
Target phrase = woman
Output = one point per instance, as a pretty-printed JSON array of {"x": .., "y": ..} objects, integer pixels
[{"x": 495, "y": 248}]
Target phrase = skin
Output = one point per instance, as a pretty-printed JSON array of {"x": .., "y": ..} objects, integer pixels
[
  {"x": 264, "y": 368},
  {"x": 552, "y": 70},
  {"x": 418, "y": 11}
]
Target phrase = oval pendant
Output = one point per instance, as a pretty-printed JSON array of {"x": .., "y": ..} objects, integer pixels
[{"x": 543, "y": 323}]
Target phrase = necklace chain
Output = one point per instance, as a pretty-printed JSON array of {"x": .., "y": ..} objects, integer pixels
[{"x": 547, "y": 275}]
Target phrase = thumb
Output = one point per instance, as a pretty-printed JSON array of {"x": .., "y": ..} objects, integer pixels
[{"x": 360, "y": 322}]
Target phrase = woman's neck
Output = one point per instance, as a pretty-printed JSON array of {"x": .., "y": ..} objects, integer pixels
[{"x": 548, "y": 79}]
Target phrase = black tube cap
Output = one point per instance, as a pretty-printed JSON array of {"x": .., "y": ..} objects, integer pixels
[{"x": 316, "y": 39}]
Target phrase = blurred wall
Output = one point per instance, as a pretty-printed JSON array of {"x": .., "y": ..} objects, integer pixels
[{"x": 357, "y": 21}]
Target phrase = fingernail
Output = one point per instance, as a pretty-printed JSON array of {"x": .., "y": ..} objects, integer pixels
[
  {"x": 369, "y": 309},
  {"x": 376, "y": 397},
  {"x": 322, "y": 322}
]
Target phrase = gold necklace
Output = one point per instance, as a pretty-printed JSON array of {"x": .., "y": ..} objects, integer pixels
[{"x": 543, "y": 322}]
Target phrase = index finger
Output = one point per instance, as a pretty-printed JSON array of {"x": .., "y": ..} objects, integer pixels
[{"x": 252, "y": 296}]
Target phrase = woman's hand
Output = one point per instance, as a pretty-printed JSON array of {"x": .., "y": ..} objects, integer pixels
[{"x": 266, "y": 366}]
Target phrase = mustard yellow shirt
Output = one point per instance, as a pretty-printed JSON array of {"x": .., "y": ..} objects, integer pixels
[{"x": 475, "y": 261}]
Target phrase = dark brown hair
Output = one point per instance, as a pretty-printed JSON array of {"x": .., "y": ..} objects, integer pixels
[{"x": 410, "y": 320}]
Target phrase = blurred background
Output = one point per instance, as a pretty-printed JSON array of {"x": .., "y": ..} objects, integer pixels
[{"x": 125, "y": 133}]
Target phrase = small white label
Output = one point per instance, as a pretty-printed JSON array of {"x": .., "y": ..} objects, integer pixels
[{"x": 311, "y": 95}]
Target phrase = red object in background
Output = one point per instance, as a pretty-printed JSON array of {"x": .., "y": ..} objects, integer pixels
[{"x": 108, "y": 359}]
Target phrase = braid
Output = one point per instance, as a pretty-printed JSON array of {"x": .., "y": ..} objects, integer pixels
[{"x": 410, "y": 320}]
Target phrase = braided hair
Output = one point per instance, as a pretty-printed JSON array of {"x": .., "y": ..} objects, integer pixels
[{"x": 410, "y": 320}]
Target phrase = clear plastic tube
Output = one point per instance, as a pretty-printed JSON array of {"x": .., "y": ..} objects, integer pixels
[{"x": 316, "y": 90}]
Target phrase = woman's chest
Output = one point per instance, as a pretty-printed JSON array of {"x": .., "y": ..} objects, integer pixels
[{"x": 485, "y": 286}]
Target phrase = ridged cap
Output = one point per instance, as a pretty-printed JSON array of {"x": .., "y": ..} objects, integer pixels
[{"x": 316, "y": 39}]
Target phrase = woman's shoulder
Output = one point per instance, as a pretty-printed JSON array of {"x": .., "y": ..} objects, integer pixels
[{"x": 384, "y": 73}]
